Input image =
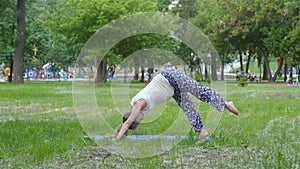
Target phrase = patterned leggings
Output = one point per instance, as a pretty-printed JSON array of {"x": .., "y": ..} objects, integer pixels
[{"x": 184, "y": 84}]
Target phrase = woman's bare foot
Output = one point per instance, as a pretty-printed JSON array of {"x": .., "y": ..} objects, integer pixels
[
  {"x": 230, "y": 106},
  {"x": 203, "y": 133},
  {"x": 203, "y": 136}
]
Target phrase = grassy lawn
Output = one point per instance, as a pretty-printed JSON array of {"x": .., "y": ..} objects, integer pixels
[
  {"x": 255, "y": 69},
  {"x": 40, "y": 129}
]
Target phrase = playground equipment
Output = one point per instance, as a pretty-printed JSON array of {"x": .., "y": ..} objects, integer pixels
[
  {"x": 30, "y": 74},
  {"x": 51, "y": 71},
  {"x": 48, "y": 74},
  {"x": 4, "y": 74}
]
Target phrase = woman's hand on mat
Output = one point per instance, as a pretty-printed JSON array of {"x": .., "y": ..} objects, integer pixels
[{"x": 114, "y": 136}]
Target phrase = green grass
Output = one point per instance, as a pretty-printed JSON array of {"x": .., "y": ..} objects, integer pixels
[
  {"x": 255, "y": 69},
  {"x": 39, "y": 129}
]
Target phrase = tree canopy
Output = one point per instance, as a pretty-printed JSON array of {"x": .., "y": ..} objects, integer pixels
[{"x": 266, "y": 30}]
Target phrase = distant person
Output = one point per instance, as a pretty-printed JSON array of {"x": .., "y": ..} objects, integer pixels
[
  {"x": 146, "y": 78},
  {"x": 2, "y": 66},
  {"x": 172, "y": 83},
  {"x": 291, "y": 80},
  {"x": 1, "y": 74},
  {"x": 238, "y": 74}
]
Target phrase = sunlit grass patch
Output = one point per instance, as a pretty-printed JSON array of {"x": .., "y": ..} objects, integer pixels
[{"x": 33, "y": 141}]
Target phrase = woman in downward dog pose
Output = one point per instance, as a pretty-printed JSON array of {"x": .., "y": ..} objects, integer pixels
[{"x": 172, "y": 83}]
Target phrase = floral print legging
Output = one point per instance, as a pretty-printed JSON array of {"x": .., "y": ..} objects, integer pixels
[{"x": 184, "y": 84}]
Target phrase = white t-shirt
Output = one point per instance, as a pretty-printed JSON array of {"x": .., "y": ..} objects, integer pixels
[{"x": 157, "y": 91}]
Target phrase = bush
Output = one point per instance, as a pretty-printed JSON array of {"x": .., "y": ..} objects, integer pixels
[
  {"x": 207, "y": 79},
  {"x": 243, "y": 81},
  {"x": 199, "y": 76}
]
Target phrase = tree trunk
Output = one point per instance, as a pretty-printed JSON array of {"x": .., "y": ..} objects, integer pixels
[
  {"x": 207, "y": 77},
  {"x": 214, "y": 76},
  {"x": 143, "y": 74},
  {"x": 101, "y": 73},
  {"x": 191, "y": 72},
  {"x": 248, "y": 63},
  {"x": 205, "y": 71},
  {"x": 20, "y": 48},
  {"x": 267, "y": 71},
  {"x": 285, "y": 72},
  {"x": 11, "y": 67},
  {"x": 201, "y": 70},
  {"x": 241, "y": 61},
  {"x": 278, "y": 69},
  {"x": 150, "y": 69},
  {"x": 91, "y": 76},
  {"x": 136, "y": 69},
  {"x": 222, "y": 72}
]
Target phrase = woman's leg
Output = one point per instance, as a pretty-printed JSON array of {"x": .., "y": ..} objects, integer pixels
[
  {"x": 183, "y": 84},
  {"x": 187, "y": 105},
  {"x": 184, "y": 101},
  {"x": 205, "y": 94}
]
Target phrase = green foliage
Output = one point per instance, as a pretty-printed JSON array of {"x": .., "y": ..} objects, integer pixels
[
  {"x": 78, "y": 20},
  {"x": 267, "y": 26},
  {"x": 8, "y": 28},
  {"x": 203, "y": 79},
  {"x": 163, "y": 5},
  {"x": 185, "y": 9},
  {"x": 198, "y": 76},
  {"x": 208, "y": 78},
  {"x": 242, "y": 81},
  {"x": 59, "y": 28},
  {"x": 146, "y": 41}
]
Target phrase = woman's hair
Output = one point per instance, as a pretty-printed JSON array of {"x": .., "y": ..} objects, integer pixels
[{"x": 134, "y": 124}]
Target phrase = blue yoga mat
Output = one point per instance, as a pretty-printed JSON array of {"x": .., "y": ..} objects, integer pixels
[{"x": 142, "y": 137}]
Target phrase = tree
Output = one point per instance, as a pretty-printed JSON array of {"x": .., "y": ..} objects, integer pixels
[
  {"x": 7, "y": 33},
  {"x": 260, "y": 28},
  {"x": 293, "y": 37},
  {"x": 18, "y": 66},
  {"x": 208, "y": 18},
  {"x": 186, "y": 10},
  {"x": 52, "y": 48},
  {"x": 79, "y": 20}
]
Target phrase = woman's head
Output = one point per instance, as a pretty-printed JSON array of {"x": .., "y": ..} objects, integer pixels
[{"x": 136, "y": 122}]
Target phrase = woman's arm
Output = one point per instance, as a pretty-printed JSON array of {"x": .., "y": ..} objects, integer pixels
[
  {"x": 136, "y": 109},
  {"x": 114, "y": 135}
]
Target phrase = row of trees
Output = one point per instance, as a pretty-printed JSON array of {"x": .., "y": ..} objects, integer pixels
[
  {"x": 268, "y": 29},
  {"x": 261, "y": 29}
]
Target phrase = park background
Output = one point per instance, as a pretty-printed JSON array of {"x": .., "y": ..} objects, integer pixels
[
  {"x": 42, "y": 32},
  {"x": 38, "y": 124}
]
